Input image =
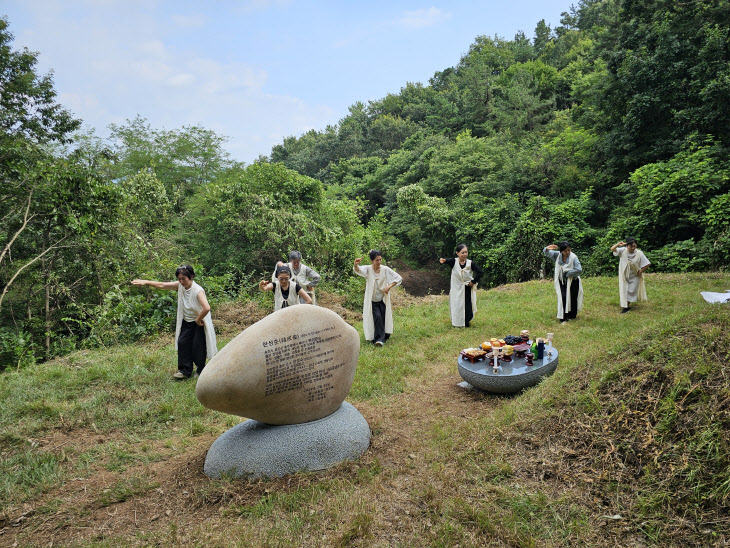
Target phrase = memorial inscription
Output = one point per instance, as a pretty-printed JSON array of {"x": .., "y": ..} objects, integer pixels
[{"x": 293, "y": 366}]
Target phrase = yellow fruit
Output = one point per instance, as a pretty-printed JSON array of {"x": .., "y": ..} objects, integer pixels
[{"x": 486, "y": 345}]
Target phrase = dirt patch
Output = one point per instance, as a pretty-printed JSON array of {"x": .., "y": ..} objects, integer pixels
[
  {"x": 233, "y": 317},
  {"x": 426, "y": 281}
]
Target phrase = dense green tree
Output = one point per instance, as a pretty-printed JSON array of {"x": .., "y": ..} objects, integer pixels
[
  {"x": 251, "y": 218},
  {"x": 28, "y": 107},
  {"x": 182, "y": 159},
  {"x": 543, "y": 36},
  {"x": 667, "y": 77}
]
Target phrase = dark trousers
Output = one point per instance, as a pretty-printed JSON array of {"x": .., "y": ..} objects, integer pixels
[
  {"x": 468, "y": 313},
  {"x": 379, "y": 321},
  {"x": 574, "y": 287},
  {"x": 191, "y": 348}
]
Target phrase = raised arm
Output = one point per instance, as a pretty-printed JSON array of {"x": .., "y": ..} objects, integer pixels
[
  {"x": 266, "y": 286},
  {"x": 156, "y": 285},
  {"x": 550, "y": 251},
  {"x": 614, "y": 247}
]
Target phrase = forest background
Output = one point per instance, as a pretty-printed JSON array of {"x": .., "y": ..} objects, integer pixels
[{"x": 614, "y": 124}]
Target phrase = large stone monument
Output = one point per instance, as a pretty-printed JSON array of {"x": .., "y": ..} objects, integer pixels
[{"x": 289, "y": 375}]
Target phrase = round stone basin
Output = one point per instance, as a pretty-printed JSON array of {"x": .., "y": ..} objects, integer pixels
[{"x": 512, "y": 376}]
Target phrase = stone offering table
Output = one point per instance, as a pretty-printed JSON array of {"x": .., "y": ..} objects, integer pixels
[
  {"x": 289, "y": 375},
  {"x": 512, "y": 377}
]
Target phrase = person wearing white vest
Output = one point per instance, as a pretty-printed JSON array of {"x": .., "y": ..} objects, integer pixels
[
  {"x": 377, "y": 313},
  {"x": 465, "y": 275},
  {"x": 567, "y": 282},
  {"x": 285, "y": 293},
  {"x": 302, "y": 274},
  {"x": 194, "y": 333},
  {"x": 631, "y": 267}
]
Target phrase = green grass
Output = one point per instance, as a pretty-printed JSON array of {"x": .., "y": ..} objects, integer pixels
[{"x": 464, "y": 487}]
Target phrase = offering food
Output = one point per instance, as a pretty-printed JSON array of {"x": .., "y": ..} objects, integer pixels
[
  {"x": 473, "y": 354},
  {"x": 486, "y": 346},
  {"x": 512, "y": 339}
]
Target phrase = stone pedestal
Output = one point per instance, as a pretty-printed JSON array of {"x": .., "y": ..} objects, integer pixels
[
  {"x": 511, "y": 377},
  {"x": 254, "y": 449}
]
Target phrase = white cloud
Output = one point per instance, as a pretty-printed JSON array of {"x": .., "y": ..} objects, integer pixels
[
  {"x": 190, "y": 21},
  {"x": 423, "y": 18}
]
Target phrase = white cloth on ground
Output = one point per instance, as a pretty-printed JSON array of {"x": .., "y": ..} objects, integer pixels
[{"x": 713, "y": 297}]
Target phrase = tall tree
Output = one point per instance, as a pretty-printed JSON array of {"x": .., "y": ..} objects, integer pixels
[{"x": 28, "y": 107}]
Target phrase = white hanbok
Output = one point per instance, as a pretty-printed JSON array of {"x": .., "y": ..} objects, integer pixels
[
  {"x": 631, "y": 286},
  {"x": 279, "y": 300},
  {"x": 305, "y": 276},
  {"x": 188, "y": 299},
  {"x": 386, "y": 277},
  {"x": 460, "y": 279},
  {"x": 561, "y": 270}
]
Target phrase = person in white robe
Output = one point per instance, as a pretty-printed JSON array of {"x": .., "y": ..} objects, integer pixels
[
  {"x": 465, "y": 275},
  {"x": 301, "y": 274},
  {"x": 377, "y": 313},
  {"x": 286, "y": 293},
  {"x": 567, "y": 282},
  {"x": 631, "y": 267},
  {"x": 194, "y": 333}
]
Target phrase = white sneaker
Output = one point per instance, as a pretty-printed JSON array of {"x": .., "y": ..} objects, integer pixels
[
  {"x": 178, "y": 375},
  {"x": 379, "y": 343}
]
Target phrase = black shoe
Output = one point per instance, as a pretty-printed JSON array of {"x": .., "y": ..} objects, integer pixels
[
  {"x": 563, "y": 321},
  {"x": 625, "y": 310}
]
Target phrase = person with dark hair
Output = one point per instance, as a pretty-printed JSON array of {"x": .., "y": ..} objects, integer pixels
[
  {"x": 194, "y": 332},
  {"x": 284, "y": 293},
  {"x": 377, "y": 313},
  {"x": 300, "y": 273},
  {"x": 465, "y": 275},
  {"x": 631, "y": 266},
  {"x": 568, "y": 284}
]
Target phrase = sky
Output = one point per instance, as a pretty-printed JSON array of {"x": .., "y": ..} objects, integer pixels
[{"x": 254, "y": 71}]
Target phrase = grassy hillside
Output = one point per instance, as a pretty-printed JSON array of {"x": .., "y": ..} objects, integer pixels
[{"x": 626, "y": 444}]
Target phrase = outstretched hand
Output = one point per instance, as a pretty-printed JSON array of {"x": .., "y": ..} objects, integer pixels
[
  {"x": 358, "y": 261},
  {"x": 552, "y": 247},
  {"x": 442, "y": 260}
]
